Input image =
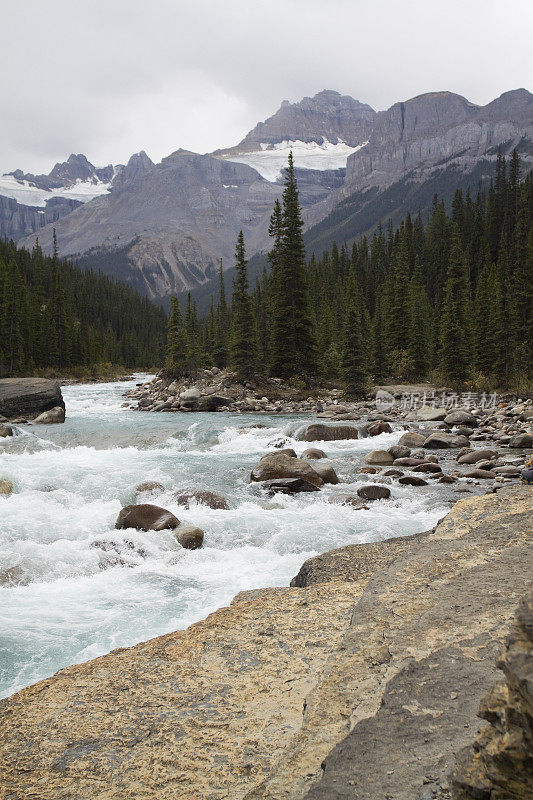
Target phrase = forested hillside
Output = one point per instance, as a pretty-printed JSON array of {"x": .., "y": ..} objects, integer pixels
[
  {"x": 54, "y": 315},
  {"x": 450, "y": 299}
]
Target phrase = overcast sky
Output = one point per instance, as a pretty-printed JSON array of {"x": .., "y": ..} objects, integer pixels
[{"x": 111, "y": 77}]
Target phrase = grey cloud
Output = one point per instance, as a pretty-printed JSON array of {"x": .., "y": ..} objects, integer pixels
[{"x": 108, "y": 77}]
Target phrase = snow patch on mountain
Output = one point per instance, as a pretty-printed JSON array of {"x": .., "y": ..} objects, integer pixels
[
  {"x": 30, "y": 195},
  {"x": 272, "y": 158}
]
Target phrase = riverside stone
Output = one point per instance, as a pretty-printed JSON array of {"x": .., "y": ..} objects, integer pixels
[
  {"x": 412, "y": 480},
  {"x": 374, "y": 492},
  {"x": 5, "y": 431},
  {"x": 445, "y": 440},
  {"x": 189, "y": 536},
  {"x": 472, "y": 456},
  {"x": 521, "y": 440},
  {"x": 312, "y": 453},
  {"x": 461, "y": 417},
  {"x": 412, "y": 439}
]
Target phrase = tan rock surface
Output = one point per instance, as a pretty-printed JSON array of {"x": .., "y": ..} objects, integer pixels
[{"x": 391, "y": 663}]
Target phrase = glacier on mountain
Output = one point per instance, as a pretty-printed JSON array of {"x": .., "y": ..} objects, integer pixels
[
  {"x": 30, "y": 195},
  {"x": 271, "y": 159}
]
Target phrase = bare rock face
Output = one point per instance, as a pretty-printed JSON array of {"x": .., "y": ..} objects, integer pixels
[
  {"x": 500, "y": 763},
  {"x": 146, "y": 517},
  {"x": 29, "y": 397},
  {"x": 363, "y": 680}
]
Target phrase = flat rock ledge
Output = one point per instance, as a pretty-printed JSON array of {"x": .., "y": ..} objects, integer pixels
[{"x": 363, "y": 681}]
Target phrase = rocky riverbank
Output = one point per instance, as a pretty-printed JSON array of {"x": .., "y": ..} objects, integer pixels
[{"x": 362, "y": 680}]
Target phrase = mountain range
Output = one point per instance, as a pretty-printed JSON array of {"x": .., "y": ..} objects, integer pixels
[{"x": 164, "y": 227}]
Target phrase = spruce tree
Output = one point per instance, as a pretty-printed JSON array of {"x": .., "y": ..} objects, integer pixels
[
  {"x": 293, "y": 345},
  {"x": 243, "y": 342},
  {"x": 176, "y": 351},
  {"x": 354, "y": 362},
  {"x": 455, "y": 334}
]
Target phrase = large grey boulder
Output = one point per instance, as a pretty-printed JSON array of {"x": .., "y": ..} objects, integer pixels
[
  {"x": 29, "y": 397},
  {"x": 412, "y": 439},
  {"x": 278, "y": 465},
  {"x": 327, "y": 433},
  {"x": 445, "y": 440},
  {"x": 380, "y": 457},
  {"x": 521, "y": 440},
  {"x": 474, "y": 456},
  {"x": 325, "y": 470}
]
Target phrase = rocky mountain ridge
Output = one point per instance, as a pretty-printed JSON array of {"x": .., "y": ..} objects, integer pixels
[{"x": 164, "y": 227}]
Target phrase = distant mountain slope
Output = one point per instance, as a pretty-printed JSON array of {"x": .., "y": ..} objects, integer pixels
[{"x": 164, "y": 227}]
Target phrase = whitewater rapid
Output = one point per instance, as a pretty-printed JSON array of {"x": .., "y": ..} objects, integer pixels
[{"x": 81, "y": 588}]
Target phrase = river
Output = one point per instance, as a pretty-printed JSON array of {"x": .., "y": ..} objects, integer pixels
[{"x": 83, "y": 588}]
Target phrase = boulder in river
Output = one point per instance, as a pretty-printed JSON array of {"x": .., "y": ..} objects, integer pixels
[
  {"x": 399, "y": 451},
  {"x": 427, "y": 466},
  {"x": 6, "y": 487},
  {"x": 473, "y": 456},
  {"x": 189, "y": 536},
  {"x": 374, "y": 492},
  {"x": 428, "y": 414},
  {"x": 278, "y": 465},
  {"x": 348, "y": 500},
  {"x": 204, "y": 497},
  {"x": 445, "y": 440},
  {"x": 5, "y": 431},
  {"x": 412, "y": 439},
  {"x": 288, "y": 486},
  {"x": 380, "y": 457},
  {"x": 412, "y": 480},
  {"x": 313, "y": 453},
  {"x": 326, "y": 471},
  {"x": 482, "y": 474},
  {"x": 327, "y": 433},
  {"x": 146, "y": 517},
  {"x": 153, "y": 487},
  {"x": 52, "y": 417},
  {"x": 461, "y": 417},
  {"x": 378, "y": 427},
  {"x": 28, "y": 397}
]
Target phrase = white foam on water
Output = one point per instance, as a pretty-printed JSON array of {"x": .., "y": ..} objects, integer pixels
[{"x": 88, "y": 588}]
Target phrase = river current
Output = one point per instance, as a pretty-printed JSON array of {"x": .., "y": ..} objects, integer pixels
[{"x": 81, "y": 588}]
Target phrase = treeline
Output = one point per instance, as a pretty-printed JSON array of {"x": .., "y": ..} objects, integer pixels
[
  {"x": 450, "y": 299},
  {"x": 54, "y": 315}
]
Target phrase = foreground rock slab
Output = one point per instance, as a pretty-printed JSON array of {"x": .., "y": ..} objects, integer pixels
[
  {"x": 375, "y": 666},
  {"x": 29, "y": 397}
]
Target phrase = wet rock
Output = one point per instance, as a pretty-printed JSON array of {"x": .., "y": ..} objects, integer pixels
[
  {"x": 5, "y": 431},
  {"x": 445, "y": 440},
  {"x": 204, "y": 497},
  {"x": 348, "y": 500},
  {"x": 279, "y": 465},
  {"x": 378, "y": 427},
  {"x": 473, "y": 456},
  {"x": 212, "y": 402},
  {"x": 380, "y": 457},
  {"x": 428, "y": 414},
  {"x": 328, "y": 433},
  {"x": 461, "y": 417},
  {"x": 287, "y": 451},
  {"x": 288, "y": 486},
  {"x": 482, "y": 474},
  {"x": 14, "y": 576},
  {"x": 326, "y": 471},
  {"x": 6, "y": 487},
  {"x": 374, "y": 492},
  {"x": 52, "y": 417},
  {"x": 367, "y": 470},
  {"x": 447, "y": 479},
  {"x": 189, "y": 536},
  {"x": 412, "y": 480},
  {"x": 509, "y": 472},
  {"x": 392, "y": 473},
  {"x": 28, "y": 397},
  {"x": 412, "y": 439},
  {"x": 313, "y": 453},
  {"x": 409, "y": 462},
  {"x": 146, "y": 517},
  {"x": 399, "y": 451},
  {"x": 427, "y": 466},
  {"x": 149, "y": 486},
  {"x": 521, "y": 440}
]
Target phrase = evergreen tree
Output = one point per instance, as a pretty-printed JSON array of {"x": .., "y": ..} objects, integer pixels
[
  {"x": 243, "y": 334},
  {"x": 455, "y": 338},
  {"x": 354, "y": 357},
  {"x": 293, "y": 345},
  {"x": 176, "y": 350}
]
